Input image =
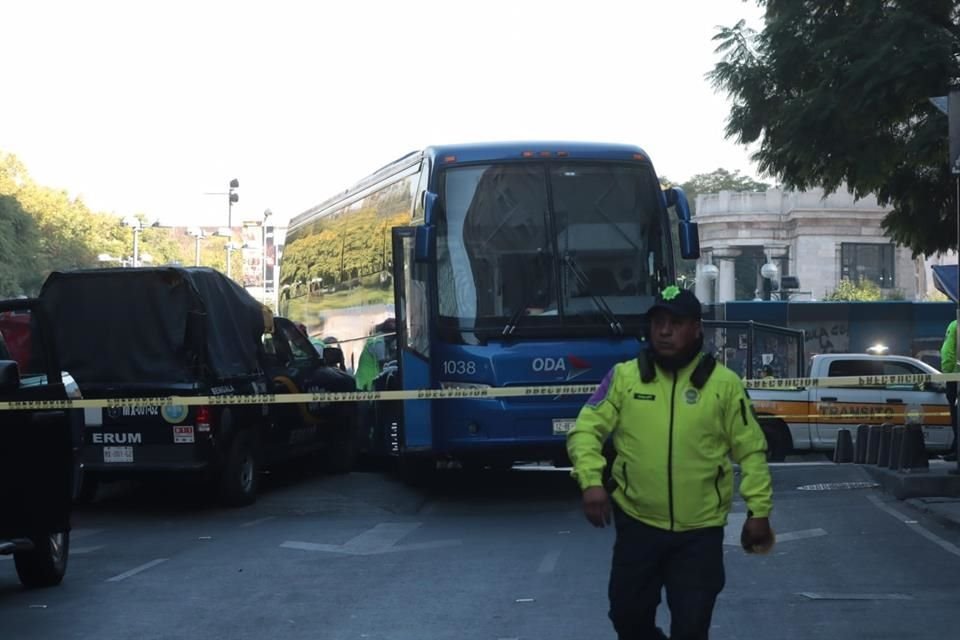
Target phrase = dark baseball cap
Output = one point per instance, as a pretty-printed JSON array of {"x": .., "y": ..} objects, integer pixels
[{"x": 680, "y": 302}]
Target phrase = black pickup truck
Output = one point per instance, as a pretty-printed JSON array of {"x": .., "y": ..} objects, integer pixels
[
  {"x": 37, "y": 448},
  {"x": 157, "y": 332}
]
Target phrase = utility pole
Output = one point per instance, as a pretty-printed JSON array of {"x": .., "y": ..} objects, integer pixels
[
  {"x": 953, "y": 132},
  {"x": 230, "y": 248},
  {"x": 231, "y": 198}
]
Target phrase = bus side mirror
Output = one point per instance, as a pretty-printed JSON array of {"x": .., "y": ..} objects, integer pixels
[
  {"x": 688, "y": 233},
  {"x": 677, "y": 199},
  {"x": 425, "y": 245},
  {"x": 689, "y": 240},
  {"x": 430, "y": 207}
]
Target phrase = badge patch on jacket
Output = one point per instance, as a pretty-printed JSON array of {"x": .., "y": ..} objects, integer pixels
[
  {"x": 644, "y": 396},
  {"x": 692, "y": 396}
]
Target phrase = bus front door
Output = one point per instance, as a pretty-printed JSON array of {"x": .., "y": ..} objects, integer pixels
[{"x": 412, "y": 431}]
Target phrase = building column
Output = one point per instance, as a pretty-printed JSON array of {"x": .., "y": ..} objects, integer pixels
[
  {"x": 726, "y": 283},
  {"x": 704, "y": 287}
]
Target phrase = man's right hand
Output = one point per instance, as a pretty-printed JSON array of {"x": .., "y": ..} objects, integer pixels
[{"x": 596, "y": 506}]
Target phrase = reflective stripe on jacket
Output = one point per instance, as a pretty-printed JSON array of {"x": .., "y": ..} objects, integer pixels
[{"x": 673, "y": 446}]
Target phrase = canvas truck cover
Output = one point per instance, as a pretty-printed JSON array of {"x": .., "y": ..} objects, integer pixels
[{"x": 152, "y": 325}]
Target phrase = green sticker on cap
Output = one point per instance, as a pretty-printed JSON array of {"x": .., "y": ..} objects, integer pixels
[{"x": 670, "y": 292}]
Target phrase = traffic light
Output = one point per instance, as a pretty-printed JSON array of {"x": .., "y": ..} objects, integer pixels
[{"x": 232, "y": 197}]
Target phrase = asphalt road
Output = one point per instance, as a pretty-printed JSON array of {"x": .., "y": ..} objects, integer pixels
[{"x": 362, "y": 556}]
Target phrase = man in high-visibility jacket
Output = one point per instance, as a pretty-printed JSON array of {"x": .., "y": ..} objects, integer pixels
[
  {"x": 948, "y": 364},
  {"x": 675, "y": 417}
]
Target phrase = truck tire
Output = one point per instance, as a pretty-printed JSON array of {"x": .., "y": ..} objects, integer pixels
[
  {"x": 87, "y": 486},
  {"x": 240, "y": 474},
  {"x": 46, "y": 564},
  {"x": 779, "y": 443}
]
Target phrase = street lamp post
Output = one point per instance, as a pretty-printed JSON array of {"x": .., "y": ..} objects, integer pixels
[
  {"x": 198, "y": 235},
  {"x": 263, "y": 252},
  {"x": 230, "y": 247},
  {"x": 137, "y": 226},
  {"x": 769, "y": 271}
]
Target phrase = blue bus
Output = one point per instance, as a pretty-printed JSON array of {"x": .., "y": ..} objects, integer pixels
[{"x": 486, "y": 265}]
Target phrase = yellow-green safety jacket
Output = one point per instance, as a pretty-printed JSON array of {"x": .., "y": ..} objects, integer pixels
[{"x": 673, "y": 446}]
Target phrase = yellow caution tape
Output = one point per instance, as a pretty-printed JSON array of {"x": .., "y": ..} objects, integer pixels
[
  {"x": 449, "y": 394},
  {"x": 851, "y": 381},
  {"x": 296, "y": 398}
]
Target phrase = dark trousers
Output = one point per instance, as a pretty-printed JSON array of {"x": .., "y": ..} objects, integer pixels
[
  {"x": 646, "y": 559},
  {"x": 952, "y": 399}
]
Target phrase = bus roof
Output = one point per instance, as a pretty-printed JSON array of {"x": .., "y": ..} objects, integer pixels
[
  {"x": 480, "y": 152},
  {"x": 496, "y": 151}
]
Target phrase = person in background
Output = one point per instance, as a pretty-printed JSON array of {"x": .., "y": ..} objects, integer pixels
[
  {"x": 379, "y": 349},
  {"x": 948, "y": 364}
]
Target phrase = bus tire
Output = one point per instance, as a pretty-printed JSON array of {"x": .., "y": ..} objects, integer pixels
[
  {"x": 46, "y": 564},
  {"x": 416, "y": 471},
  {"x": 240, "y": 474},
  {"x": 779, "y": 442}
]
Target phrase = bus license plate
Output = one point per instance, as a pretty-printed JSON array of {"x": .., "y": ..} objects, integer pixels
[
  {"x": 118, "y": 454},
  {"x": 563, "y": 426}
]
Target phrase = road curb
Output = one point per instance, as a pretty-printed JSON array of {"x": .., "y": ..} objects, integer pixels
[{"x": 905, "y": 485}]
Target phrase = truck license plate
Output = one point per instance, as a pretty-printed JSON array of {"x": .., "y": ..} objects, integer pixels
[
  {"x": 563, "y": 426},
  {"x": 118, "y": 454}
]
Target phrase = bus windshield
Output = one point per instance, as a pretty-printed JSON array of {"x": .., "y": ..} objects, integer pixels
[{"x": 549, "y": 245}]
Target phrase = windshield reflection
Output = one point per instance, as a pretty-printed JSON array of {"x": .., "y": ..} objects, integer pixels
[{"x": 509, "y": 232}]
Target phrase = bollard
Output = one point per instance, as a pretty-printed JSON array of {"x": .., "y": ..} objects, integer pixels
[
  {"x": 883, "y": 451},
  {"x": 873, "y": 444},
  {"x": 860, "y": 450},
  {"x": 906, "y": 451},
  {"x": 843, "y": 450},
  {"x": 916, "y": 457},
  {"x": 896, "y": 446}
]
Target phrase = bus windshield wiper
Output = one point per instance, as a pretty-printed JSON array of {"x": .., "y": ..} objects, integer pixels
[
  {"x": 584, "y": 281},
  {"x": 511, "y": 325},
  {"x": 514, "y": 320}
]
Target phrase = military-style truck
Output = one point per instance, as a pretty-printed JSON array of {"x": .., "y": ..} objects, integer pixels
[
  {"x": 171, "y": 331},
  {"x": 37, "y": 447}
]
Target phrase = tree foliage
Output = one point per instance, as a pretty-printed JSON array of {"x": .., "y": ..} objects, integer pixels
[
  {"x": 43, "y": 229},
  {"x": 837, "y": 94},
  {"x": 18, "y": 245},
  {"x": 849, "y": 291}
]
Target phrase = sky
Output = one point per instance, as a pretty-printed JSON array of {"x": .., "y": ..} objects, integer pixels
[{"x": 146, "y": 107}]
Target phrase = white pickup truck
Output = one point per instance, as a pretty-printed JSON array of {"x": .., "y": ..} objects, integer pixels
[{"x": 808, "y": 418}]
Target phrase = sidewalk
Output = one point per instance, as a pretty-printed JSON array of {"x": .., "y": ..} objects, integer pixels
[
  {"x": 935, "y": 491},
  {"x": 944, "y": 510}
]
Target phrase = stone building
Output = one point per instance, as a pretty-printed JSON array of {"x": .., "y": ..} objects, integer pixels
[{"x": 817, "y": 239}]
